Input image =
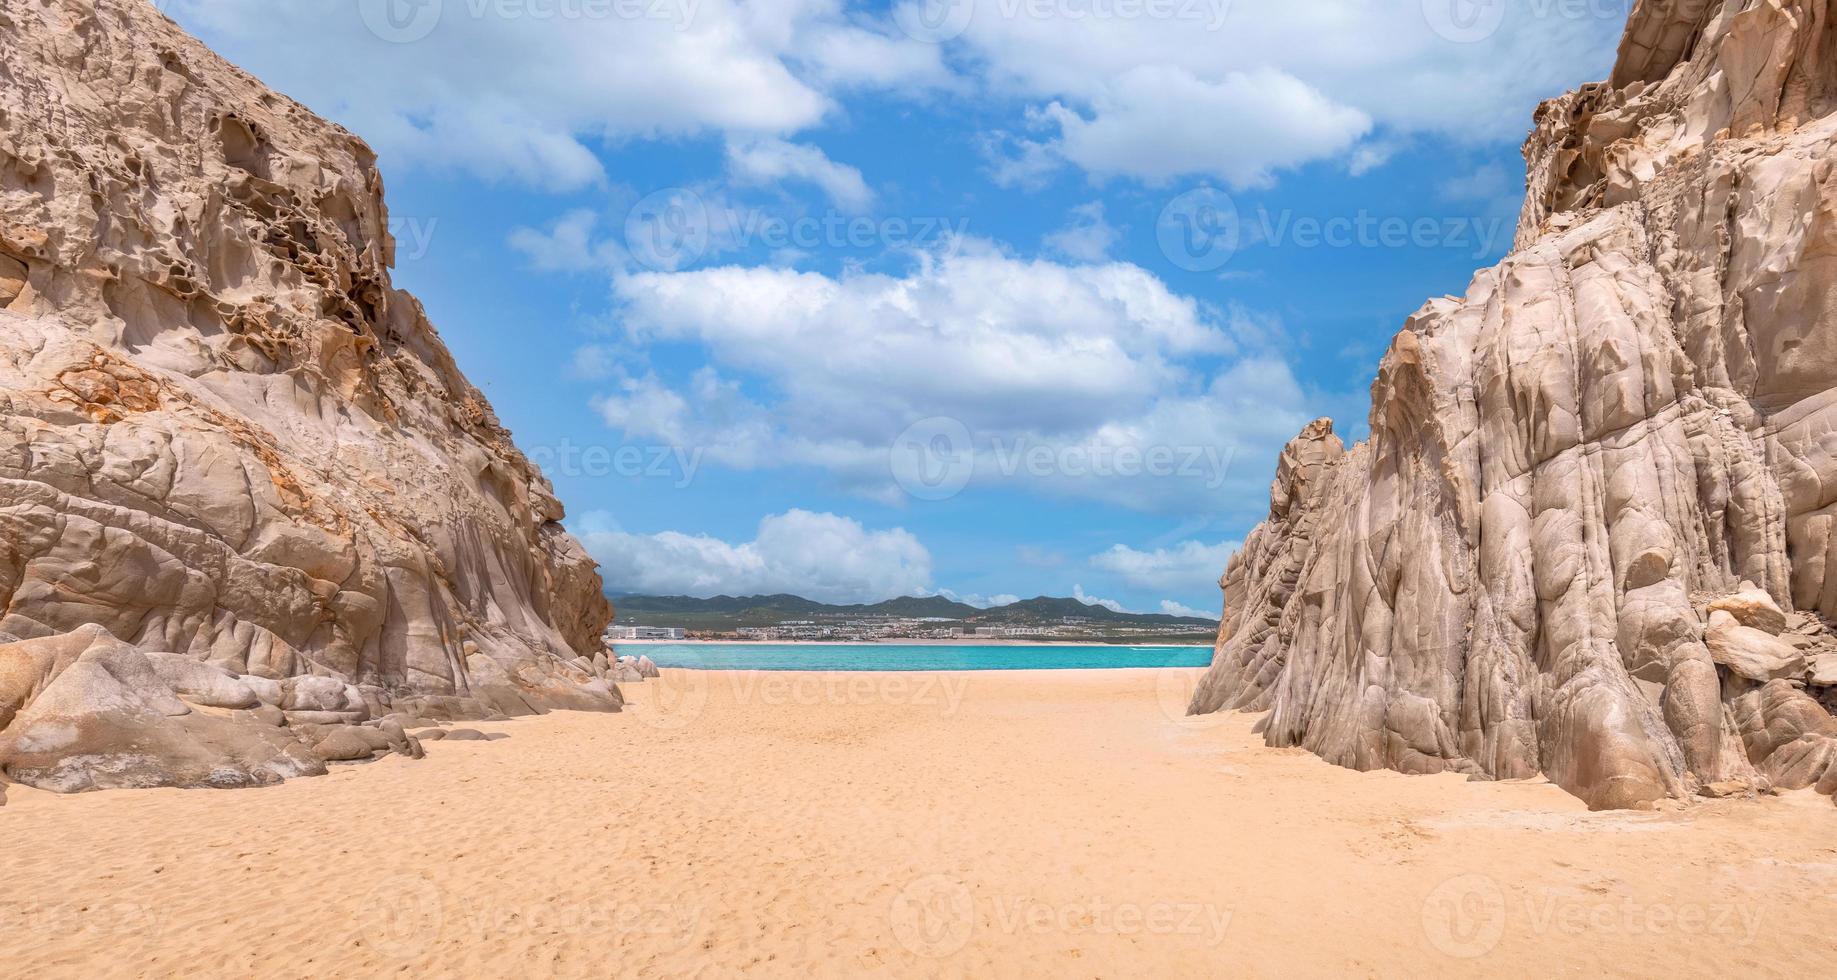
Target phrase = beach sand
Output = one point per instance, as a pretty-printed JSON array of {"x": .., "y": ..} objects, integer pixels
[{"x": 1065, "y": 824}]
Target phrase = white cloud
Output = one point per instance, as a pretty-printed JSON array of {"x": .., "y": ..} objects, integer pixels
[
  {"x": 521, "y": 91},
  {"x": 770, "y": 161},
  {"x": 1089, "y": 381},
  {"x": 1172, "y": 608},
  {"x": 1157, "y": 123},
  {"x": 1079, "y": 594},
  {"x": 1243, "y": 88},
  {"x": 1187, "y": 567},
  {"x": 980, "y": 601},
  {"x": 1235, "y": 88},
  {"x": 1088, "y": 238},
  {"x": 568, "y": 245},
  {"x": 818, "y": 556}
]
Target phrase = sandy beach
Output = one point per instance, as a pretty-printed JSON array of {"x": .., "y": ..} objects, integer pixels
[{"x": 994, "y": 824}]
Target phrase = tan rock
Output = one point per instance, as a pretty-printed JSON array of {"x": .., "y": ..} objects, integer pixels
[
  {"x": 1754, "y": 654},
  {"x": 1632, "y": 408},
  {"x": 226, "y": 436},
  {"x": 1754, "y": 608},
  {"x": 1824, "y": 670},
  {"x": 647, "y": 667}
]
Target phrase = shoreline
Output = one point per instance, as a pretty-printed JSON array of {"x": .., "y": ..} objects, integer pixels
[{"x": 966, "y": 642}]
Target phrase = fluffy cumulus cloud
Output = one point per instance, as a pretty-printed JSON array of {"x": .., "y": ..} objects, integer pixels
[
  {"x": 1159, "y": 122},
  {"x": 1091, "y": 381},
  {"x": 1175, "y": 568},
  {"x": 1237, "y": 89},
  {"x": 818, "y": 556},
  {"x": 521, "y": 89},
  {"x": 1241, "y": 89},
  {"x": 771, "y": 161},
  {"x": 1171, "y": 608}
]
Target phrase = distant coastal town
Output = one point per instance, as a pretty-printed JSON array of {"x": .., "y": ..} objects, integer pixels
[{"x": 876, "y": 629}]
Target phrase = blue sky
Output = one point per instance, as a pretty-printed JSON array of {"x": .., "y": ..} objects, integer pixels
[{"x": 985, "y": 297}]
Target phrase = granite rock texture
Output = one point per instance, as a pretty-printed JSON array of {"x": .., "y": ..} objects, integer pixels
[
  {"x": 237, "y": 466},
  {"x": 1631, "y": 417}
]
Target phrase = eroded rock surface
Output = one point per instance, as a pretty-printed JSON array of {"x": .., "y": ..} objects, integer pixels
[
  {"x": 248, "y": 503},
  {"x": 1633, "y": 411}
]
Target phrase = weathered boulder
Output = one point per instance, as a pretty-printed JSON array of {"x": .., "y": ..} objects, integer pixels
[
  {"x": 1630, "y": 411},
  {"x": 202, "y": 684},
  {"x": 225, "y": 435},
  {"x": 647, "y": 668},
  {"x": 1752, "y": 607},
  {"x": 85, "y": 711},
  {"x": 1749, "y": 652}
]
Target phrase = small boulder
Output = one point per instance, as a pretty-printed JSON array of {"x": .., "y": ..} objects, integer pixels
[
  {"x": 465, "y": 735},
  {"x": 351, "y": 743},
  {"x": 647, "y": 667},
  {"x": 1824, "y": 670},
  {"x": 1752, "y": 607},
  {"x": 432, "y": 735},
  {"x": 314, "y": 694},
  {"x": 200, "y": 683},
  {"x": 1649, "y": 567},
  {"x": 1749, "y": 652}
]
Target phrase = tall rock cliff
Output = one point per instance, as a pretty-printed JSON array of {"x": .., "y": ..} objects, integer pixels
[
  {"x": 1593, "y": 534},
  {"x": 233, "y": 458}
]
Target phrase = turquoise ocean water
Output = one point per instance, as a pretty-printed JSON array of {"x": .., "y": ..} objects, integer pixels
[{"x": 889, "y": 656}]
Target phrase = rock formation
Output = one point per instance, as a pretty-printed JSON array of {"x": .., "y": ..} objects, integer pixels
[
  {"x": 251, "y": 515},
  {"x": 1593, "y": 534}
]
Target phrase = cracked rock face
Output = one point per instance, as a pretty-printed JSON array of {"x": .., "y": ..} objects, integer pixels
[
  {"x": 1627, "y": 421},
  {"x": 229, "y": 443}
]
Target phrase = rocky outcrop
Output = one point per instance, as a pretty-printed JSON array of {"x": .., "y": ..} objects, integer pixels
[
  {"x": 1598, "y": 483},
  {"x": 248, "y": 503}
]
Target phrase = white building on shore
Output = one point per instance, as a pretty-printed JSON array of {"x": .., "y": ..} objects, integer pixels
[{"x": 644, "y": 633}]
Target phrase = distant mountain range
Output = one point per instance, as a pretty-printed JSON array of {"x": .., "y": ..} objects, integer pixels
[{"x": 730, "y": 612}]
